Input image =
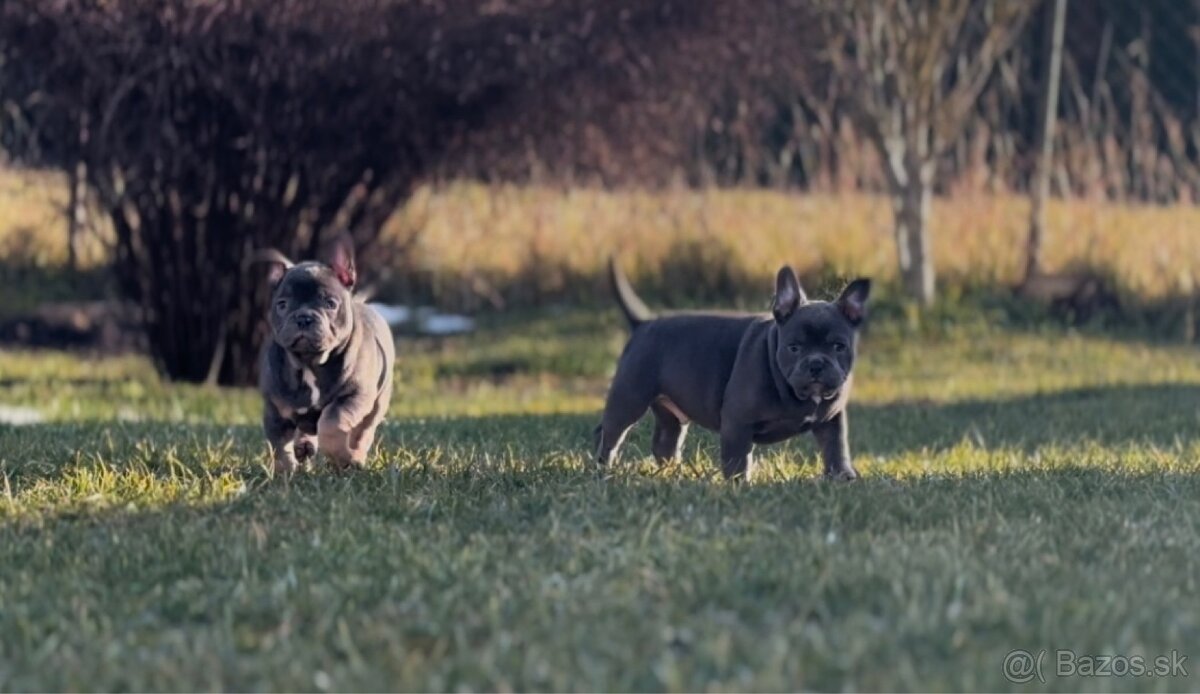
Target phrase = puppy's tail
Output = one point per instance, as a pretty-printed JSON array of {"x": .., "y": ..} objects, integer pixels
[{"x": 635, "y": 311}]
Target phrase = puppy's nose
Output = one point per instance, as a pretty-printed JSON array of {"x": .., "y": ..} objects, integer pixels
[
  {"x": 304, "y": 320},
  {"x": 816, "y": 368}
]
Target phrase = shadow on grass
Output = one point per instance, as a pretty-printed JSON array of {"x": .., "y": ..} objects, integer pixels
[
  {"x": 30, "y": 285},
  {"x": 1156, "y": 415}
]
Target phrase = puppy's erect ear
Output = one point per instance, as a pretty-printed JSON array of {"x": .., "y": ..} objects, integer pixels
[
  {"x": 788, "y": 294},
  {"x": 853, "y": 301},
  {"x": 278, "y": 263},
  {"x": 341, "y": 259}
]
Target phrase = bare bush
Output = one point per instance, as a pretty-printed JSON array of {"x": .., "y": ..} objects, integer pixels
[{"x": 210, "y": 128}]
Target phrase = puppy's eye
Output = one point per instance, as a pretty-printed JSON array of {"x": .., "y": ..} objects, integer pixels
[
  {"x": 331, "y": 302},
  {"x": 794, "y": 349},
  {"x": 839, "y": 346},
  {"x": 281, "y": 305}
]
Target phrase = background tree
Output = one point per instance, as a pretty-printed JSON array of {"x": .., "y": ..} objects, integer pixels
[
  {"x": 918, "y": 67},
  {"x": 1039, "y": 187},
  {"x": 205, "y": 129}
]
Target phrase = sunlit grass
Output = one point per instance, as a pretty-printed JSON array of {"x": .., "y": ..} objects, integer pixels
[{"x": 1020, "y": 490}]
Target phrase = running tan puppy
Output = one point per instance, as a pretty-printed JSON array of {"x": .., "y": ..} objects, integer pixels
[{"x": 326, "y": 374}]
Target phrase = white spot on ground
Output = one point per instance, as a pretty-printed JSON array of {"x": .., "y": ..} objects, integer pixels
[
  {"x": 392, "y": 315},
  {"x": 20, "y": 416},
  {"x": 424, "y": 320},
  {"x": 128, "y": 414},
  {"x": 448, "y": 324}
]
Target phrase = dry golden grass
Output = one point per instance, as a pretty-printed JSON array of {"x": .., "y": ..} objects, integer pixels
[
  {"x": 502, "y": 232},
  {"x": 30, "y": 215},
  {"x": 33, "y": 222},
  {"x": 499, "y": 231}
]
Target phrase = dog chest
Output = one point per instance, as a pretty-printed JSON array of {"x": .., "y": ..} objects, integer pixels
[
  {"x": 300, "y": 394},
  {"x": 774, "y": 431},
  {"x": 310, "y": 392}
]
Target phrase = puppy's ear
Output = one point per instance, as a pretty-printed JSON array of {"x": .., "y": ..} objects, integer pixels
[
  {"x": 341, "y": 259},
  {"x": 277, "y": 264},
  {"x": 788, "y": 294},
  {"x": 853, "y": 301}
]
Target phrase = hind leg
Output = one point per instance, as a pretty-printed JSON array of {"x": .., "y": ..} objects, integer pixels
[
  {"x": 364, "y": 434},
  {"x": 626, "y": 404},
  {"x": 669, "y": 432}
]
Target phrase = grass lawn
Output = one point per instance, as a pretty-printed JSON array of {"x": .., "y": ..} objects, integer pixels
[{"x": 1021, "y": 490}]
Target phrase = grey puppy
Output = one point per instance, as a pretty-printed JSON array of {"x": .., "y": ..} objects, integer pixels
[
  {"x": 326, "y": 374},
  {"x": 756, "y": 379}
]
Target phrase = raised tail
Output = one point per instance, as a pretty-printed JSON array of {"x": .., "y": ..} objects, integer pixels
[{"x": 635, "y": 311}]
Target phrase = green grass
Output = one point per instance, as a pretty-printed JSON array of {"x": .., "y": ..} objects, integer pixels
[{"x": 1021, "y": 490}]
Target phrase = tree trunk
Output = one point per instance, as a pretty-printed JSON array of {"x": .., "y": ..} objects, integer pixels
[
  {"x": 1039, "y": 186},
  {"x": 910, "y": 205},
  {"x": 76, "y": 211}
]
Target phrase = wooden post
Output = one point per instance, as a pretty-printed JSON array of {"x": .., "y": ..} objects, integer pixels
[{"x": 1039, "y": 185}]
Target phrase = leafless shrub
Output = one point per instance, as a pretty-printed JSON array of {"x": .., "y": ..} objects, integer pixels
[{"x": 208, "y": 129}]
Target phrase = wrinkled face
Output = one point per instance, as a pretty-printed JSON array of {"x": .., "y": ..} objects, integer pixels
[
  {"x": 817, "y": 340},
  {"x": 310, "y": 310},
  {"x": 816, "y": 350}
]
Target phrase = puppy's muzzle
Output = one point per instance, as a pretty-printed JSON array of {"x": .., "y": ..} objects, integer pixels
[
  {"x": 305, "y": 321},
  {"x": 304, "y": 331},
  {"x": 817, "y": 376}
]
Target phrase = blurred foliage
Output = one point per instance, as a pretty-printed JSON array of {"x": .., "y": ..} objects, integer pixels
[{"x": 208, "y": 129}]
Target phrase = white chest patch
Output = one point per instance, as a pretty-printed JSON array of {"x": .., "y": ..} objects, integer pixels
[
  {"x": 813, "y": 417},
  {"x": 310, "y": 381}
]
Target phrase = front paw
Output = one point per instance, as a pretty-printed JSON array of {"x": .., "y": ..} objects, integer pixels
[{"x": 306, "y": 448}]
